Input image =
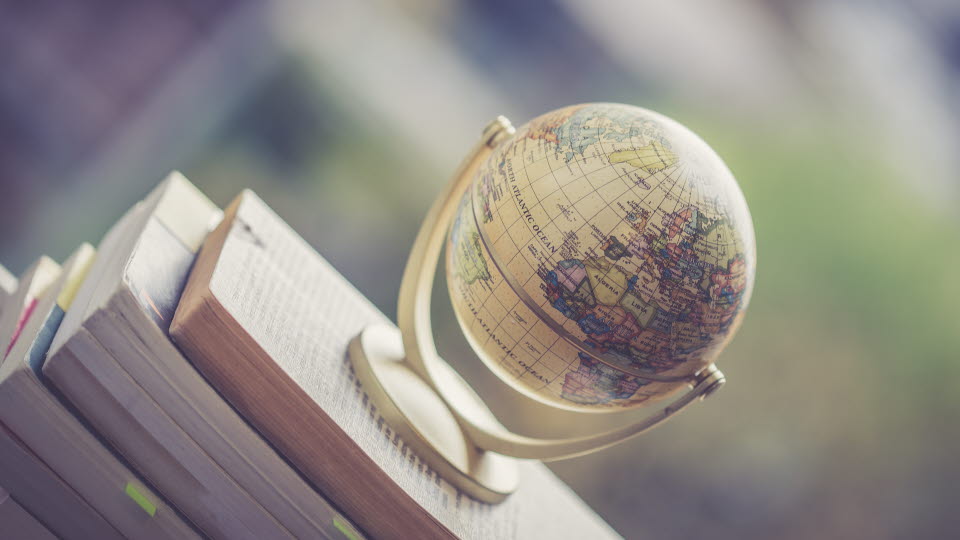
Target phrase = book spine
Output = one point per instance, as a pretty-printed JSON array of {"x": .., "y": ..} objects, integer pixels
[
  {"x": 15, "y": 522},
  {"x": 139, "y": 429},
  {"x": 46, "y": 496}
]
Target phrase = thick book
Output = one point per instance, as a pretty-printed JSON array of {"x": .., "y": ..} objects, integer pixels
[
  {"x": 17, "y": 309},
  {"x": 123, "y": 413},
  {"x": 44, "y": 494},
  {"x": 17, "y": 523},
  {"x": 35, "y": 416},
  {"x": 39, "y": 490},
  {"x": 268, "y": 321},
  {"x": 113, "y": 359}
]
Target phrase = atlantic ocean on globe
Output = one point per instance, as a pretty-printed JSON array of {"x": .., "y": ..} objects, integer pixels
[{"x": 602, "y": 256}]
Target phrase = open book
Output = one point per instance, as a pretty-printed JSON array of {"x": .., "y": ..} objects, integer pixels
[{"x": 268, "y": 321}]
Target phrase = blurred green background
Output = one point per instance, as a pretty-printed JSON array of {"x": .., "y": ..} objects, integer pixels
[{"x": 841, "y": 120}]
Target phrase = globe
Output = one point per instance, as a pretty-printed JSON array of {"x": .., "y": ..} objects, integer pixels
[{"x": 602, "y": 256}]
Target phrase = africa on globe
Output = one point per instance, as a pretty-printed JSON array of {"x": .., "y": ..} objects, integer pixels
[{"x": 602, "y": 256}]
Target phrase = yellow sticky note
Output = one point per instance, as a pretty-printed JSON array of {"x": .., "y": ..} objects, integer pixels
[{"x": 85, "y": 255}]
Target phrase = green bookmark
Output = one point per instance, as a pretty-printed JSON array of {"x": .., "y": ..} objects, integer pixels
[
  {"x": 138, "y": 498},
  {"x": 345, "y": 528}
]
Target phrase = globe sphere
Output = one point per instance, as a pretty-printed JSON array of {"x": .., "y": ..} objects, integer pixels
[{"x": 602, "y": 256}]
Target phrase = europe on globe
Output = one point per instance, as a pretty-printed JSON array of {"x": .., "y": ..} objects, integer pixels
[{"x": 601, "y": 257}]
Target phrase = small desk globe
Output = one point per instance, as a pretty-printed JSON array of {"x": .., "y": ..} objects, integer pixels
[{"x": 599, "y": 258}]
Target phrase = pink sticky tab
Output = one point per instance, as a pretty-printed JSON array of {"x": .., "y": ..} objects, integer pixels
[{"x": 24, "y": 317}]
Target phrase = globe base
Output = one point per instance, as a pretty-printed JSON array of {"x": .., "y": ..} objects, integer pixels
[{"x": 423, "y": 420}]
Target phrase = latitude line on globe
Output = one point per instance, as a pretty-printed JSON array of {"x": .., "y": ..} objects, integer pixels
[
  {"x": 551, "y": 172},
  {"x": 550, "y": 322},
  {"x": 717, "y": 245},
  {"x": 525, "y": 330},
  {"x": 657, "y": 210},
  {"x": 666, "y": 192},
  {"x": 679, "y": 170},
  {"x": 716, "y": 252},
  {"x": 526, "y": 334},
  {"x": 585, "y": 222},
  {"x": 517, "y": 251},
  {"x": 630, "y": 187}
]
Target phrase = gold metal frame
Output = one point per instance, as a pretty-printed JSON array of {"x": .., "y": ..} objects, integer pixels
[{"x": 432, "y": 408}]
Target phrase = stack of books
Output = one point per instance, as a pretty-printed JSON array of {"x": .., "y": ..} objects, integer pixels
[{"x": 188, "y": 378}]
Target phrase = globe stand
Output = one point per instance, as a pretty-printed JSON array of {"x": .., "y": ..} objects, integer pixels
[
  {"x": 423, "y": 421},
  {"x": 432, "y": 408}
]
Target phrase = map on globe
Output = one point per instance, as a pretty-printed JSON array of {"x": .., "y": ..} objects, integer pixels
[{"x": 601, "y": 255}]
